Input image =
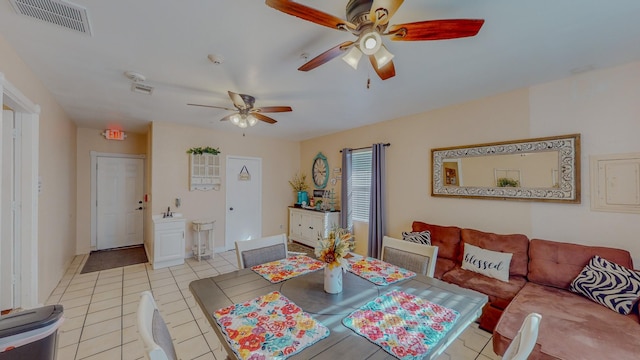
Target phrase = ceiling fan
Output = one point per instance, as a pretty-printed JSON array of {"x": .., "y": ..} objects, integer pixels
[
  {"x": 246, "y": 114},
  {"x": 368, "y": 20}
]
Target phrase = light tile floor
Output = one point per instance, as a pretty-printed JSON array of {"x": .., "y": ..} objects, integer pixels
[{"x": 100, "y": 313}]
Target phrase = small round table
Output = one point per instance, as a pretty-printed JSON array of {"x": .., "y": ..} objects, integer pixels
[{"x": 199, "y": 250}]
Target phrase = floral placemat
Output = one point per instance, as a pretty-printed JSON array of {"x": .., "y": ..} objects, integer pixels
[
  {"x": 267, "y": 327},
  {"x": 281, "y": 270},
  {"x": 404, "y": 325},
  {"x": 377, "y": 271}
]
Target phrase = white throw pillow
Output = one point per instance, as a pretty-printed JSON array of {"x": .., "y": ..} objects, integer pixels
[{"x": 493, "y": 264}]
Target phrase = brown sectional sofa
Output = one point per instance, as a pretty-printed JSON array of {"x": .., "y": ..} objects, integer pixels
[{"x": 572, "y": 327}]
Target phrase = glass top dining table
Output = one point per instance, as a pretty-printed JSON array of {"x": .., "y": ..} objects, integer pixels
[{"x": 307, "y": 291}]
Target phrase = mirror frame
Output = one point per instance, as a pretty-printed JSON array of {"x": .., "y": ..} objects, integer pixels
[{"x": 568, "y": 191}]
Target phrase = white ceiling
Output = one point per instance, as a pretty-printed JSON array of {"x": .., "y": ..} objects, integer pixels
[{"x": 521, "y": 43}]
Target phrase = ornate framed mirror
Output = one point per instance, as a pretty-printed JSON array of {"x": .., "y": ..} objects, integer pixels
[{"x": 539, "y": 169}]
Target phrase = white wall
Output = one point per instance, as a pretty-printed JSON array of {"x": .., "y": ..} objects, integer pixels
[
  {"x": 57, "y": 168},
  {"x": 604, "y": 106}
]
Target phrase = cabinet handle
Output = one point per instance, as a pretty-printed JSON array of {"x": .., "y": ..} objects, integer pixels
[{"x": 311, "y": 227}]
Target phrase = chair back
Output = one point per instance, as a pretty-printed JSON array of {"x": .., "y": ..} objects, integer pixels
[
  {"x": 153, "y": 331},
  {"x": 525, "y": 340},
  {"x": 419, "y": 258},
  {"x": 260, "y": 251}
]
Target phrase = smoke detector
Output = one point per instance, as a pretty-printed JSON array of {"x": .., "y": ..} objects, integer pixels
[
  {"x": 134, "y": 76},
  {"x": 137, "y": 84},
  {"x": 216, "y": 59}
]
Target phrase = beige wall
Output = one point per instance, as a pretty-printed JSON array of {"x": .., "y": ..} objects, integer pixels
[
  {"x": 601, "y": 105},
  {"x": 57, "y": 168},
  {"x": 91, "y": 140},
  {"x": 496, "y": 118},
  {"x": 170, "y": 174},
  {"x": 604, "y": 106}
]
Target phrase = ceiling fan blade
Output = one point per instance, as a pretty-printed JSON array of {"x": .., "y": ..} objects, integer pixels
[
  {"x": 228, "y": 117},
  {"x": 435, "y": 29},
  {"x": 273, "y": 109},
  {"x": 326, "y": 56},
  {"x": 391, "y": 6},
  {"x": 238, "y": 101},
  {"x": 385, "y": 72},
  {"x": 310, "y": 14},
  {"x": 212, "y": 106},
  {"x": 264, "y": 118}
]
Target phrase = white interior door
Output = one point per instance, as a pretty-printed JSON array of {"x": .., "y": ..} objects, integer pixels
[
  {"x": 244, "y": 199},
  {"x": 7, "y": 246},
  {"x": 119, "y": 206}
]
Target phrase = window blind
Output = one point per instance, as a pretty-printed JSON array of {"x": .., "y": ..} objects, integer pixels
[{"x": 360, "y": 184}]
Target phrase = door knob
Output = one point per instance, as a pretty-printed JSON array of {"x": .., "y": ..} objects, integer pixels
[{"x": 230, "y": 209}]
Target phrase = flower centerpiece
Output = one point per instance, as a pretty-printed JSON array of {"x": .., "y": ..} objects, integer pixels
[{"x": 332, "y": 251}]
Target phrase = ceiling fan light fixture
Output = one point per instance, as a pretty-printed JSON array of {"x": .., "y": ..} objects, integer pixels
[
  {"x": 235, "y": 119},
  {"x": 252, "y": 120},
  {"x": 370, "y": 42},
  {"x": 353, "y": 57},
  {"x": 383, "y": 56}
]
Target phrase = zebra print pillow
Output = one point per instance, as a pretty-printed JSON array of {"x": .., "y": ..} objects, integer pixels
[
  {"x": 609, "y": 284},
  {"x": 420, "y": 237}
]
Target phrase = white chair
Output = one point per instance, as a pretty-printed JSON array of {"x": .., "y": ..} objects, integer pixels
[
  {"x": 525, "y": 340},
  {"x": 260, "y": 251},
  {"x": 153, "y": 331},
  {"x": 419, "y": 258}
]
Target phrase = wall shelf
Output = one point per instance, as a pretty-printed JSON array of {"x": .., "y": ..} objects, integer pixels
[{"x": 204, "y": 172}]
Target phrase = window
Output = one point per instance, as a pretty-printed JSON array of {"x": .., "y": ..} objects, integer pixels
[{"x": 360, "y": 184}]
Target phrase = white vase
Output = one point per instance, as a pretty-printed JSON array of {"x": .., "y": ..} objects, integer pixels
[{"x": 333, "y": 280}]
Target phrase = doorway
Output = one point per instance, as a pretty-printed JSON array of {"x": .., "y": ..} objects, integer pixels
[
  {"x": 19, "y": 121},
  {"x": 118, "y": 188},
  {"x": 243, "y": 219}
]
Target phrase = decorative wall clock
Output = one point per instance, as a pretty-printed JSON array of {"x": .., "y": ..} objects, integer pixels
[{"x": 320, "y": 171}]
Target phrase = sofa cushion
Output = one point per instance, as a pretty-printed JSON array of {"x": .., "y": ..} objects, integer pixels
[
  {"x": 572, "y": 327},
  {"x": 420, "y": 237},
  {"x": 446, "y": 238},
  {"x": 608, "y": 284},
  {"x": 498, "y": 291},
  {"x": 442, "y": 266},
  {"x": 556, "y": 264},
  {"x": 493, "y": 264},
  {"x": 516, "y": 244}
]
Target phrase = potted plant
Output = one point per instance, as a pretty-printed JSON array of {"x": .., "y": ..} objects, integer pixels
[
  {"x": 508, "y": 182},
  {"x": 203, "y": 150},
  {"x": 299, "y": 185}
]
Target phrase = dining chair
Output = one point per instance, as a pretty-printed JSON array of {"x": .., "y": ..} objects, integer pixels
[
  {"x": 419, "y": 258},
  {"x": 153, "y": 331},
  {"x": 525, "y": 340},
  {"x": 260, "y": 251}
]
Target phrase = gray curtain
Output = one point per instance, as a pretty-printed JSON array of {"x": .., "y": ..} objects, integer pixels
[
  {"x": 377, "y": 208},
  {"x": 345, "y": 191}
]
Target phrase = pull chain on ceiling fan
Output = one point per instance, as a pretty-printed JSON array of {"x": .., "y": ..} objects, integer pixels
[
  {"x": 368, "y": 20},
  {"x": 246, "y": 115}
]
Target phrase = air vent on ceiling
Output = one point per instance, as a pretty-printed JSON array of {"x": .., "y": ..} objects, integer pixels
[
  {"x": 56, "y": 12},
  {"x": 141, "y": 88}
]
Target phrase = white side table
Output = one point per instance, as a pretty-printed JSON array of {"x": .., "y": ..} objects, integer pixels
[{"x": 200, "y": 249}]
